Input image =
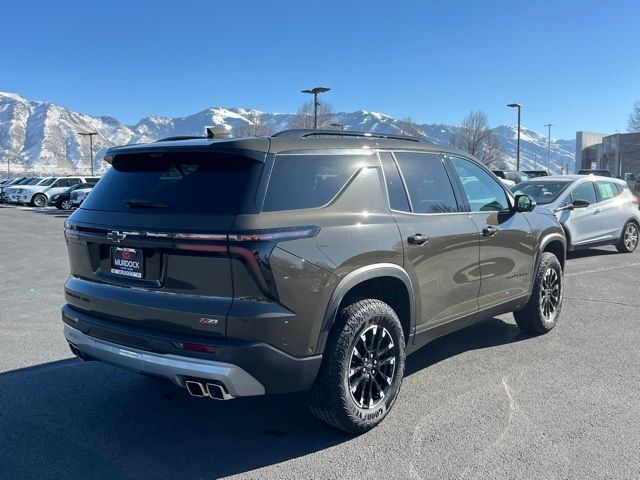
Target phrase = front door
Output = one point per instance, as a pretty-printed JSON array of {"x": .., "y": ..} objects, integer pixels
[
  {"x": 506, "y": 240},
  {"x": 583, "y": 223},
  {"x": 440, "y": 241}
]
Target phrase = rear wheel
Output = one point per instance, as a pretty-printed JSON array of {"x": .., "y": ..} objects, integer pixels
[
  {"x": 629, "y": 238},
  {"x": 362, "y": 368},
  {"x": 39, "y": 200},
  {"x": 542, "y": 312},
  {"x": 65, "y": 205}
]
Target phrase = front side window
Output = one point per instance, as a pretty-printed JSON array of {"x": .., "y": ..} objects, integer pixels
[
  {"x": 427, "y": 182},
  {"x": 483, "y": 192},
  {"x": 584, "y": 192},
  {"x": 308, "y": 181}
]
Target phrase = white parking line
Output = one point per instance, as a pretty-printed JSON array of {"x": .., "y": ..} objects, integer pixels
[{"x": 636, "y": 264}]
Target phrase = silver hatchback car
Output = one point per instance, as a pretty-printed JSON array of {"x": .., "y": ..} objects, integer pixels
[{"x": 593, "y": 210}]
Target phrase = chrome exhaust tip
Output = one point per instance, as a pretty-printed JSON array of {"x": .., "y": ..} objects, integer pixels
[
  {"x": 196, "y": 389},
  {"x": 218, "y": 392}
]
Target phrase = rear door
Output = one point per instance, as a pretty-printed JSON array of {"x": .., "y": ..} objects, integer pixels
[
  {"x": 506, "y": 241},
  {"x": 149, "y": 246},
  {"x": 440, "y": 242},
  {"x": 613, "y": 211}
]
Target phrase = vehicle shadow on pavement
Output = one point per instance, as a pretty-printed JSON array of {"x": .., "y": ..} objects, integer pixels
[
  {"x": 52, "y": 213},
  {"x": 77, "y": 420},
  {"x": 485, "y": 334},
  {"x": 71, "y": 419}
]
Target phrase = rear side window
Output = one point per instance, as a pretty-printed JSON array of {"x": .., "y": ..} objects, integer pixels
[
  {"x": 182, "y": 183},
  {"x": 397, "y": 195},
  {"x": 427, "y": 182},
  {"x": 607, "y": 190},
  {"x": 308, "y": 181}
]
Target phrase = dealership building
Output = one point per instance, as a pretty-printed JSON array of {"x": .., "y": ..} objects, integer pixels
[{"x": 618, "y": 153}]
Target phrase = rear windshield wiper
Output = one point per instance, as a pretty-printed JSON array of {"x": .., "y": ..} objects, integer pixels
[{"x": 145, "y": 204}]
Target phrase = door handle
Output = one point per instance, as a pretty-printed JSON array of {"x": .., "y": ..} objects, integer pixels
[
  {"x": 489, "y": 231},
  {"x": 417, "y": 239},
  {"x": 597, "y": 210}
]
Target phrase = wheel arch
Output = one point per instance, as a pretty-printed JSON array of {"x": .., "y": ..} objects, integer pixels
[
  {"x": 555, "y": 243},
  {"x": 384, "y": 281}
]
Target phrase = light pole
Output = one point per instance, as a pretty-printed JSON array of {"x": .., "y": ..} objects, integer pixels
[
  {"x": 315, "y": 91},
  {"x": 519, "y": 107},
  {"x": 337, "y": 125},
  {"x": 549, "y": 145},
  {"x": 90, "y": 135}
]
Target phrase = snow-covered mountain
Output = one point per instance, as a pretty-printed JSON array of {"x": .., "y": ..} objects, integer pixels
[{"x": 42, "y": 137}]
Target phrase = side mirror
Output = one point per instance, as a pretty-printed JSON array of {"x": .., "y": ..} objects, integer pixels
[
  {"x": 580, "y": 204},
  {"x": 524, "y": 203}
]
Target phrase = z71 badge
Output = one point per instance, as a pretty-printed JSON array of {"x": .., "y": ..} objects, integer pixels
[{"x": 209, "y": 321}]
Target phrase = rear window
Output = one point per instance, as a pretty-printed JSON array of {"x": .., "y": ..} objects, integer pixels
[
  {"x": 308, "y": 181},
  {"x": 181, "y": 183}
]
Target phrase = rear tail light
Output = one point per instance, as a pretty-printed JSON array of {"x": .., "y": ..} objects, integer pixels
[
  {"x": 274, "y": 234},
  {"x": 635, "y": 200}
]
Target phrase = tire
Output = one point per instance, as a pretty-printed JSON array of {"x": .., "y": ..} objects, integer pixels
[
  {"x": 332, "y": 398},
  {"x": 542, "y": 311},
  {"x": 629, "y": 239},
  {"x": 65, "y": 205},
  {"x": 39, "y": 200}
]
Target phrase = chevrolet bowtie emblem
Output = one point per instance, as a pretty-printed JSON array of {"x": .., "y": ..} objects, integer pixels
[{"x": 116, "y": 236}]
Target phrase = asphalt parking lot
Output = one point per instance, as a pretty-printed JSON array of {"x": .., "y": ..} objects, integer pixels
[{"x": 485, "y": 402}]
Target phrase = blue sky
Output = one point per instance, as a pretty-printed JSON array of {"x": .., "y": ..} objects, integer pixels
[{"x": 571, "y": 63}]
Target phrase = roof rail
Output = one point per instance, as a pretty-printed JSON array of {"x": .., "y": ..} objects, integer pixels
[
  {"x": 179, "y": 137},
  {"x": 307, "y": 132}
]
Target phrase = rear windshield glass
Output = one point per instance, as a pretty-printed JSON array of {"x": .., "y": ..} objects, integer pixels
[
  {"x": 196, "y": 183},
  {"x": 541, "y": 192}
]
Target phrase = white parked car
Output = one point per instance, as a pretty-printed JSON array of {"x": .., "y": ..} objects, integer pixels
[
  {"x": 38, "y": 195},
  {"x": 593, "y": 210}
]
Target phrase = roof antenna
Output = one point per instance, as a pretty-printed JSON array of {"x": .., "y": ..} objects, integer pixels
[{"x": 214, "y": 132}]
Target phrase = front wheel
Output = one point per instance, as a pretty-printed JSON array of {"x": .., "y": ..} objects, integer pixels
[
  {"x": 39, "y": 200},
  {"x": 362, "y": 368},
  {"x": 66, "y": 205},
  {"x": 542, "y": 312},
  {"x": 629, "y": 238}
]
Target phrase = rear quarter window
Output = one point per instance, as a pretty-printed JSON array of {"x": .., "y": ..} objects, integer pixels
[{"x": 309, "y": 181}]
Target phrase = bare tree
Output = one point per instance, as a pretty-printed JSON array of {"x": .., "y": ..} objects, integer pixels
[
  {"x": 304, "y": 116},
  {"x": 475, "y": 137},
  {"x": 406, "y": 126},
  {"x": 633, "y": 123},
  {"x": 254, "y": 127}
]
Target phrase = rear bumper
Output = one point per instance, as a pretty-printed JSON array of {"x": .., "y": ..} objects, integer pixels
[
  {"x": 172, "y": 367},
  {"x": 244, "y": 367}
]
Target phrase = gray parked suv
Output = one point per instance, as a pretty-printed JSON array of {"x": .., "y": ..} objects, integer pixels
[{"x": 306, "y": 261}]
